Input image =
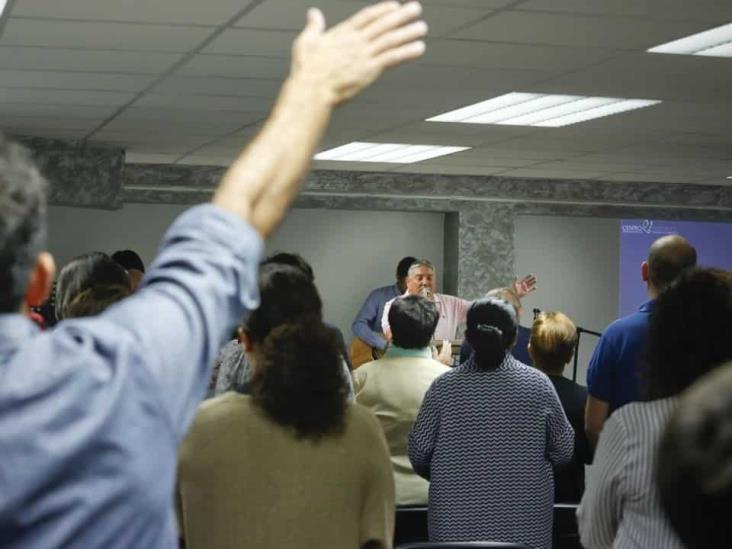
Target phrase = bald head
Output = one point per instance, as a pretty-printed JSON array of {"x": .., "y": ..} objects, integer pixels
[{"x": 667, "y": 258}]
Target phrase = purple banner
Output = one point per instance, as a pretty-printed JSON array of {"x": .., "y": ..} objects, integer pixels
[{"x": 713, "y": 243}]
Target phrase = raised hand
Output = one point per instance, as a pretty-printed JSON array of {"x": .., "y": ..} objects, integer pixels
[
  {"x": 524, "y": 286},
  {"x": 343, "y": 60}
]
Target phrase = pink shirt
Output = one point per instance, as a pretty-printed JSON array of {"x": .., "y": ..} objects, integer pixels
[{"x": 453, "y": 312}]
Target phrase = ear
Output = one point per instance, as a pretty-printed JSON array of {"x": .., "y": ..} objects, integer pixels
[
  {"x": 644, "y": 272},
  {"x": 41, "y": 280}
]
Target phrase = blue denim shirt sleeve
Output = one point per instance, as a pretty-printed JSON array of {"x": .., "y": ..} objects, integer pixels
[{"x": 197, "y": 289}]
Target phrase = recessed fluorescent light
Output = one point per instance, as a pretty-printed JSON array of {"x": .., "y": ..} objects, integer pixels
[
  {"x": 2, "y": 6},
  {"x": 538, "y": 109},
  {"x": 715, "y": 42},
  {"x": 386, "y": 152}
]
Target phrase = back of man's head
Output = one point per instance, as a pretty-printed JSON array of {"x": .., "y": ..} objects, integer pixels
[
  {"x": 403, "y": 267},
  {"x": 413, "y": 320},
  {"x": 668, "y": 257},
  {"x": 22, "y": 222},
  {"x": 294, "y": 260},
  {"x": 129, "y": 259}
]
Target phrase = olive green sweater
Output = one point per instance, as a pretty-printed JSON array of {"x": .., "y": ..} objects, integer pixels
[{"x": 245, "y": 481}]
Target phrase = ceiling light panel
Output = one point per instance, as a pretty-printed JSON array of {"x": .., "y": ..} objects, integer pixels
[
  {"x": 715, "y": 42},
  {"x": 386, "y": 152},
  {"x": 543, "y": 110}
]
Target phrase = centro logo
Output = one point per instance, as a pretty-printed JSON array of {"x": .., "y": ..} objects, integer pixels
[{"x": 645, "y": 227}]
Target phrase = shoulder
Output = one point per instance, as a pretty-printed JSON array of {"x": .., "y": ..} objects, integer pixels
[
  {"x": 362, "y": 420},
  {"x": 626, "y": 324},
  {"x": 636, "y": 415},
  {"x": 216, "y": 409}
]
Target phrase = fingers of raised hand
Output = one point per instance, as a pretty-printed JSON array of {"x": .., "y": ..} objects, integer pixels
[
  {"x": 393, "y": 19},
  {"x": 399, "y": 37},
  {"x": 395, "y": 56},
  {"x": 371, "y": 13}
]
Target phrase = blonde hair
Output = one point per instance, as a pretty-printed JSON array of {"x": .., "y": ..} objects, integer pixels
[{"x": 553, "y": 339}]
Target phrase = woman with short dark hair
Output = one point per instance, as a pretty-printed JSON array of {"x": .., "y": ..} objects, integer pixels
[
  {"x": 690, "y": 333},
  {"x": 501, "y": 429},
  {"x": 293, "y": 464}
]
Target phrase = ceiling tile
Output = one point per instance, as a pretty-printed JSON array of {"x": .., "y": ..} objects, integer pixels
[
  {"x": 576, "y": 30},
  {"x": 290, "y": 15},
  {"x": 233, "y": 87},
  {"x": 698, "y": 10},
  {"x": 59, "y": 59},
  {"x": 194, "y": 103},
  {"x": 94, "y": 35},
  {"x": 238, "y": 66},
  {"x": 63, "y": 97},
  {"x": 44, "y": 110},
  {"x": 488, "y": 55},
  {"x": 446, "y": 169},
  {"x": 144, "y": 11},
  {"x": 74, "y": 80},
  {"x": 269, "y": 43}
]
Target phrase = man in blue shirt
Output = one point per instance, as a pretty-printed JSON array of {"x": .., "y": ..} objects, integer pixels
[
  {"x": 367, "y": 324},
  {"x": 92, "y": 413},
  {"x": 613, "y": 375}
]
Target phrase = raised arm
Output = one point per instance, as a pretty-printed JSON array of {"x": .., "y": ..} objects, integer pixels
[{"x": 328, "y": 68}]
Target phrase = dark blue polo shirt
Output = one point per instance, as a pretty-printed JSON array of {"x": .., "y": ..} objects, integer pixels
[{"x": 614, "y": 371}]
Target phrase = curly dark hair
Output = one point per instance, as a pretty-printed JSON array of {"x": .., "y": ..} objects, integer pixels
[
  {"x": 690, "y": 331},
  {"x": 298, "y": 381},
  {"x": 22, "y": 222}
]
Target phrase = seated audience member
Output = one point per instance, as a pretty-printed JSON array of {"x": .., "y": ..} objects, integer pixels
[
  {"x": 694, "y": 470},
  {"x": 487, "y": 437},
  {"x": 231, "y": 368},
  {"x": 689, "y": 334},
  {"x": 613, "y": 374},
  {"x": 292, "y": 464},
  {"x": 393, "y": 387},
  {"x": 84, "y": 273},
  {"x": 92, "y": 412},
  {"x": 520, "y": 350},
  {"x": 552, "y": 344},
  {"x": 367, "y": 324},
  {"x": 132, "y": 263}
]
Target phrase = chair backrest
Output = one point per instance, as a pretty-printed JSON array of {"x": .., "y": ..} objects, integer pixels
[
  {"x": 464, "y": 545},
  {"x": 411, "y": 524}
]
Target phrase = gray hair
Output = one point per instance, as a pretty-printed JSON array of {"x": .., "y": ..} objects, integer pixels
[
  {"x": 420, "y": 263},
  {"x": 23, "y": 226}
]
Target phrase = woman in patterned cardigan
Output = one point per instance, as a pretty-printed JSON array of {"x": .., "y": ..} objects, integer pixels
[{"x": 487, "y": 437}]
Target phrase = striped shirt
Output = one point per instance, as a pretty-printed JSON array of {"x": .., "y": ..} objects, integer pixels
[
  {"x": 620, "y": 506},
  {"x": 488, "y": 441}
]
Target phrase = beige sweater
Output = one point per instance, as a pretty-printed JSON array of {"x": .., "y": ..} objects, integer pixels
[
  {"x": 393, "y": 389},
  {"x": 245, "y": 481}
]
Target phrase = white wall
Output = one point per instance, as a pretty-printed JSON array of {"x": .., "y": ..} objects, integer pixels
[
  {"x": 576, "y": 260},
  {"x": 350, "y": 251}
]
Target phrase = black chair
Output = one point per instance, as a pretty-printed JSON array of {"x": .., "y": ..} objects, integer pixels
[
  {"x": 410, "y": 524},
  {"x": 464, "y": 545},
  {"x": 411, "y": 527},
  {"x": 566, "y": 533}
]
